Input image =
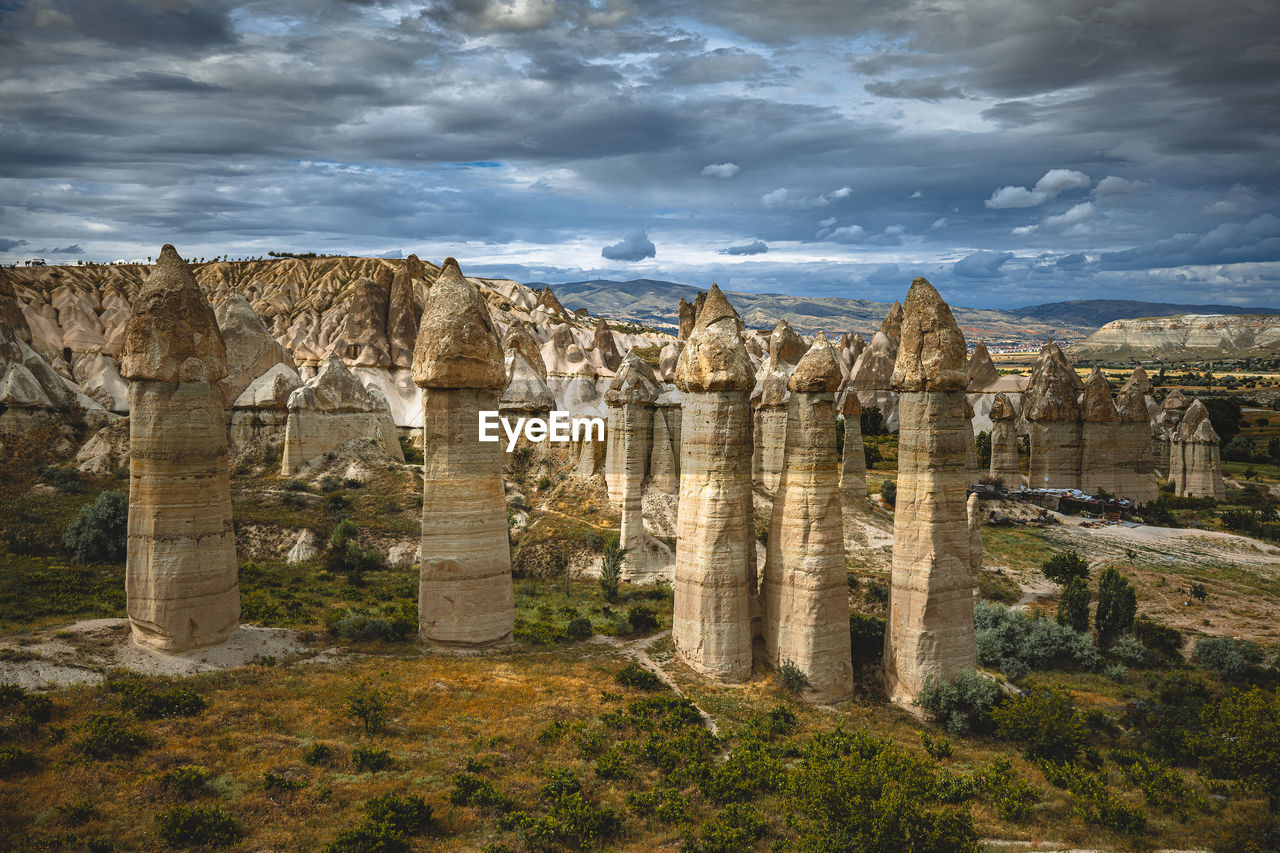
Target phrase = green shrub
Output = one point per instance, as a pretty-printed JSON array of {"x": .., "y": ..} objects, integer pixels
[
  {"x": 642, "y": 620},
  {"x": 1091, "y": 801},
  {"x": 1010, "y": 641},
  {"x": 793, "y": 678},
  {"x": 77, "y": 813},
  {"x": 472, "y": 790},
  {"x": 1242, "y": 742},
  {"x": 1117, "y": 607},
  {"x": 66, "y": 480},
  {"x": 1162, "y": 640},
  {"x": 150, "y": 698},
  {"x": 105, "y": 735},
  {"x": 579, "y": 628},
  {"x": 571, "y": 822},
  {"x": 1011, "y": 796},
  {"x": 370, "y": 759},
  {"x": 540, "y": 632},
  {"x": 935, "y": 747},
  {"x": 186, "y": 781},
  {"x": 613, "y": 763},
  {"x": 1162, "y": 787},
  {"x": 665, "y": 804},
  {"x": 634, "y": 675},
  {"x": 370, "y": 705},
  {"x": 751, "y": 768},
  {"x": 963, "y": 705},
  {"x": 29, "y": 708},
  {"x": 280, "y": 783},
  {"x": 866, "y": 639},
  {"x": 1073, "y": 606},
  {"x": 732, "y": 830},
  {"x": 1227, "y": 657},
  {"x": 1044, "y": 723},
  {"x": 345, "y": 556},
  {"x": 1170, "y": 722},
  {"x": 14, "y": 761},
  {"x": 889, "y": 491},
  {"x": 611, "y": 570},
  {"x": 99, "y": 533},
  {"x": 1062, "y": 568},
  {"x": 871, "y": 455},
  {"x": 189, "y": 826}
]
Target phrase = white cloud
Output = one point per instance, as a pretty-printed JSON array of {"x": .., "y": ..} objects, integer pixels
[
  {"x": 847, "y": 234},
  {"x": 777, "y": 198},
  {"x": 1082, "y": 212},
  {"x": 1240, "y": 200},
  {"x": 720, "y": 170},
  {"x": 940, "y": 222},
  {"x": 917, "y": 194},
  {"x": 828, "y": 222},
  {"x": 1054, "y": 182},
  {"x": 835, "y": 195},
  {"x": 1024, "y": 230},
  {"x": 1112, "y": 188}
]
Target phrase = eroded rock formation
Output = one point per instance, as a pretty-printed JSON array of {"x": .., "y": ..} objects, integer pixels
[
  {"x": 630, "y": 399},
  {"x": 465, "y": 597},
  {"x": 1100, "y": 434},
  {"x": 1195, "y": 467},
  {"x": 1050, "y": 405},
  {"x": 605, "y": 347},
  {"x": 687, "y": 317},
  {"x": 331, "y": 409},
  {"x": 180, "y": 569},
  {"x": 769, "y": 399},
  {"x": 664, "y": 460},
  {"x": 853, "y": 462},
  {"x": 1134, "y": 449},
  {"x": 1005, "y": 466},
  {"x": 715, "y": 577},
  {"x": 804, "y": 589},
  {"x": 930, "y": 625}
]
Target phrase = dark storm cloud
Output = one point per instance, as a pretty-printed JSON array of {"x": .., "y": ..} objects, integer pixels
[
  {"x": 343, "y": 124},
  {"x": 756, "y": 247},
  {"x": 636, "y": 246}
]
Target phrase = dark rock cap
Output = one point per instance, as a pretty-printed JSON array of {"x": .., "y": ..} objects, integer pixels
[
  {"x": 172, "y": 334},
  {"x": 458, "y": 344},
  {"x": 931, "y": 349}
]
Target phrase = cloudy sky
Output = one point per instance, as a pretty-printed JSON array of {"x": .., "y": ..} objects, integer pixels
[{"x": 1014, "y": 152}]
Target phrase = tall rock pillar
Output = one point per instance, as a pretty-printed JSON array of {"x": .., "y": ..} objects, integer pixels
[
  {"x": 769, "y": 398},
  {"x": 930, "y": 626},
  {"x": 1100, "y": 435},
  {"x": 180, "y": 572},
  {"x": 630, "y": 399},
  {"x": 1004, "y": 443},
  {"x": 1135, "y": 453},
  {"x": 1051, "y": 405},
  {"x": 804, "y": 596},
  {"x": 664, "y": 460},
  {"x": 1196, "y": 456},
  {"x": 853, "y": 461},
  {"x": 464, "y": 590},
  {"x": 715, "y": 579}
]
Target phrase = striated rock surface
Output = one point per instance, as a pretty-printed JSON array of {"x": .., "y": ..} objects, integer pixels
[
  {"x": 1100, "y": 433},
  {"x": 331, "y": 409},
  {"x": 1050, "y": 405},
  {"x": 973, "y": 519},
  {"x": 251, "y": 349},
  {"x": 853, "y": 462},
  {"x": 804, "y": 589},
  {"x": 10, "y": 312},
  {"x": 664, "y": 460},
  {"x": 630, "y": 399},
  {"x": 982, "y": 370},
  {"x": 605, "y": 347},
  {"x": 930, "y": 625},
  {"x": 715, "y": 577},
  {"x": 1004, "y": 443},
  {"x": 1187, "y": 337},
  {"x": 1134, "y": 448},
  {"x": 686, "y": 317},
  {"x": 402, "y": 313},
  {"x": 465, "y": 598},
  {"x": 1195, "y": 462},
  {"x": 769, "y": 398},
  {"x": 363, "y": 340},
  {"x": 180, "y": 569}
]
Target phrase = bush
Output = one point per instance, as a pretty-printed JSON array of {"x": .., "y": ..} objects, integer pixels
[
  {"x": 1091, "y": 801},
  {"x": 1062, "y": 568},
  {"x": 100, "y": 532},
  {"x": 1073, "y": 607},
  {"x": 103, "y": 736},
  {"x": 634, "y": 675},
  {"x": 370, "y": 759},
  {"x": 935, "y": 748},
  {"x": 872, "y": 421},
  {"x": 188, "y": 826},
  {"x": 1117, "y": 607},
  {"x": 472, "y": 790},
  {"x": 1012, "y": 642},
  {"x": 871, "y": 455},
  {"x": 1044, "y": 723},
  {"x": 390, "y": 821},
  {"x": 345, "y": 556},
  {"x": 154, "y": 698},
  {"x": 1128, "y": 650},
  {"x": 611, "y": 570},
  {"x": 793, "y": 678},
  {"x": 368, "y": 704},
  {"x": 1242, "y": 742},
  {"x": 963, "y": 705},
  {"x": 186, "y": 781},
  {"x": 571, "y": 823},
  {"x": 734, "y": 829},
  {"x": 66, "y": 480},
  {"x": 889, "y": 491},
  {"x": 1012, "y": 797},
  {"x": 318, "y": 754},
  {"x": 280, "y": 783},
  {"x": 14, "y": 761},
  {"x": 579, "y": 628},
  {"x": 866, "y": 639},
  {"x": 642, "y": 620},
  {"x": 1160, "y": 639},
  {"x": 1226, "y": 657}
]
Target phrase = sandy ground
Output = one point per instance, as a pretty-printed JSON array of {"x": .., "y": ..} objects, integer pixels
[{"x": 84, "y": 652}]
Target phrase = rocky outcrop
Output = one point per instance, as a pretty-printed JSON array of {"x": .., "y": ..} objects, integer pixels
[
  {"x": 982, "y": 370},
  {"x": 769, "y": 399},
  {"x": 853, "y": 462},
  {"x": 715, "y": 577},
  {"x": 930, "y": 629},
  {"x": 605, "y": 347},
  {"x": 31, "y": 392},
  {"x": 1050, "y": 405},
  {"x": 402, "y": 313},
  {"x": 1134, "y": 447},
  {"x": 1195, "y": 466},
  {"x": 180, "y": 568},
  {"x": 973, "y": 519},
  {"x": 630, "y": 399},
  {"x": 10, "y": 312},
  {"x": 1100, "y": 433},
  {"x": 363, "y": 341},
  {"x": 1189, "y": 337},
  {"x": 664, "y": 460},
  {"x": 251, "y": 349},
  {"x": 262, "y": 409},
  {"x": 686, "y": 317},
  {"x": 465, "y": 598},
  {"x": 804, "y": 588},
  {"x": 1005, "y": 466},
  {"x": 331, "y": 409},
  {"x": 872, "y": 373}
]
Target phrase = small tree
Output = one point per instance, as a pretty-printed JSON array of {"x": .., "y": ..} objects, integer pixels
[
  {"x": 1044, "y": 722},
  {"x": 345, "y": 555},
  {"x": 1073, "y": 607},
  {"x": 1242, "y": 741},
  {"x": 369, "y": 705},
  {"x": 871, "y": 455},
  {"x": 611, "y": 569},
  {"x": 1117, "y": 607},
  {"x": 889, "y": 491},
  {"x": 1061, "y": 568},
  {"x": 100, "y": 532},
  {"x": 872, "y": 421},
  {"x": 983, "y": 441}
]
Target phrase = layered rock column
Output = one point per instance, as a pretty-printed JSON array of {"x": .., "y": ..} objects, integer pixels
[
  {"x": 180, "y": 569},
  {"x": 971, "y": 472},
  {"x": 930, "y": 626},
  {"x": 715, "y": 579},
  {"x": 1195, "y": 456},
  {"x": 769, "y": 426},
  {"x": 1004, "y": 443},
  {"x": 1099, "y": 436},
  {"x": 630, "y": 399},
  {"x": 1135, "y": 462},
  {"x": 804, "y": 589},
  {"x": 973, "y": 518},
  {"x": 464, "y": 592},
  {"x": 1050, "y": 405},
  {"x": 853, "y": 462},
  {"x": 664, "y": 460}
]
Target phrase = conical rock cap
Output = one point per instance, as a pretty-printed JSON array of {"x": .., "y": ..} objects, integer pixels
[
  {"x": 172, "y": 334},
  {"x": 931, "y": 350},
  {"x": 458, "y": 344},
  {"x": 714, "y": 358},
  {"x": 818, "y": 371}
]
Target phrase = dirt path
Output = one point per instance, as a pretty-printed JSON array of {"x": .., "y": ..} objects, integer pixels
[{"x": 638, "y": 650}]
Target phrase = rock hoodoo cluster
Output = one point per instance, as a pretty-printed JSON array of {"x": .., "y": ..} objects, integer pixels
[
  {"x": 1195, "y": 466},
  {"x": 853, "y": 460},
  {"x": 465, "y": 597},
  {"x": 1134, "y": 447},
  {"x": 631, "y": 412},
  {"x": 1051, "y": 405},
  {"x": 331, "y": 409},
  {"x": 769, "y": 400},
  {"x": 930, "y": 625},
  {"x": 804, "y": 598},
  {"x": 180, "y": 570},
  {"x": 715, "y": 577},
  {"x": 872, "y": 373},
  {"x": 1005, "y": 466},
  {"x": 1100, "y": 431}
]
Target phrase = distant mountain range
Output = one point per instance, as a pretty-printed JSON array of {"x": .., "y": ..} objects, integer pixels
[{"x": 652, "y": 302}]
